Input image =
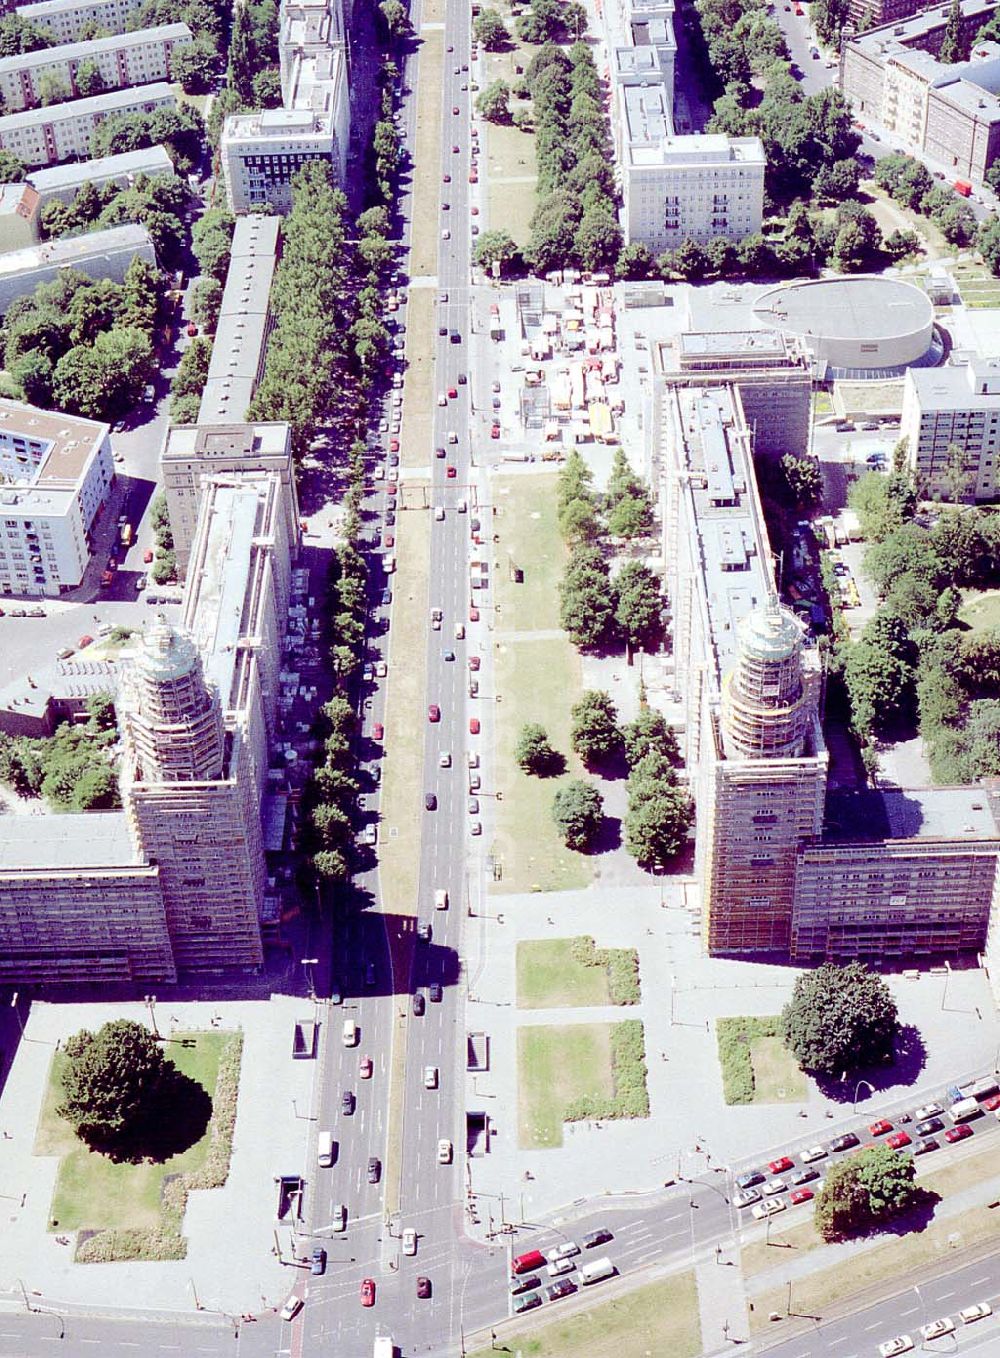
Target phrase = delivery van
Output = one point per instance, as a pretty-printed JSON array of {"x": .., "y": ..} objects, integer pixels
[
  {"x": 324, "y": 1150},
  {"x": 524, "y": 1263},
  {"x": 350, "y": 1033},
  {"x": 596, "y": 1270},
  {"x": 964, "y": 1110}
]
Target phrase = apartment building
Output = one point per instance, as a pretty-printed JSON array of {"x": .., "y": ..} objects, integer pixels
[
  {"x": 123, "y": 61},
  {"x": 19, "y": 208},
  {"x": 98, "y": 254},
  {"x": 56, "y": 472},
  {"x": 65, "y": 181},
  {"x": 262, "y": 151},
  {"x": 48, "y": 136},
  {"x": 954, "y": 407},
  {"x": 951, "y": 112},
  {"x": 674, "y": 186},
  {"x": 899, "y": 875},
  {"x": 771, "y": 371},
  {"x": 65, "y": 19}
]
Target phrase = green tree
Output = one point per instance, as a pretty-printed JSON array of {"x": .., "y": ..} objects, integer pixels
[
  {"x": 193, "y": 66},
  {"x": 207, "y": 302},
  {"x": 33, "y": 374},
  {"x": 638, "y": 604},
  {"x": 52, "y": 89},
  {"x": 953, "y": 48},
  {"x": 542, "y": 22},
  {"x": 111, "y": 1080},
  {"x": 12, "y": 170},
  {"x": 241, "y": 56},
  {"x": 578, "y": 810},
  {"x": 396, "y": 19},
  {"x": 804, "y": 480},
  {"x": 496, "y": 247},
  {"x": 840, "y": 1019},
  {"x": 900, "y": 244},
  {"x": 192, "y": 371},
  {"x": 534, "y": 752},
  {"x": 594, "y": 733},
  {"x": 494, "y": 102},
  {"x": 631, "y": 517},
  {"x": 490, "y": 31},
  {"x": 649, "y": 734},
  {"x": 19, "y": 35},
  {"x": 657, "y": 823},
  {"x": 863, "y": 1190},
  {"x": 89, "y": 80},
  {"x": 267, "y": 88},
  {"x": 586, "y": 603}
]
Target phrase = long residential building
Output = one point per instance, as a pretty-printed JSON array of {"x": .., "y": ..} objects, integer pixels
[
  {"x": 262, "y": 151},
  {"x": 949, "y": 112},
  {"x": 65, "y": 19},
  {"x": 122, "y": 61},
  {"x": 676, "y": 184},
  {"x": 56, "y": 473},
  {"x": 59, "y": 132},
  {"x": 65, "y": 181},
  {"x": 98, "y": 254}
]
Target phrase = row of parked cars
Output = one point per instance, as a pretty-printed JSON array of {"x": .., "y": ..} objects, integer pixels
[
  {"x": 935, "y": 1329},
  {"x": 761, "y": 1189}
]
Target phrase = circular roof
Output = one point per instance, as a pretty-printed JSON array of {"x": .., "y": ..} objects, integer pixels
[
  {"x": 770, "y": 634},
  {"x": 864, "y": 307},
  {"x": 163, "y": 653}
]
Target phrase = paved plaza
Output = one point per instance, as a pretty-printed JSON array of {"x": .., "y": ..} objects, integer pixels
[
  {"x": 230, "y": 1265},
  {"x": 690, "y": 1128}
]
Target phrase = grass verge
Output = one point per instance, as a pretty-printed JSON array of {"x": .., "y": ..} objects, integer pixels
[
  {"x": 416, "y": 439},
  {"x": 528, "y": 537},
  {"x": 427, "y": 153},
  {"x": 555, "y": 972},
  {"x": 894, "y": 1259},
  {"x": 126, "y": 1211},
  {"x": 557, "y": 1065},
  {"x": 981, "y": 612},
  {"x": 661, "y": 1318},
  {"x": 756, "y": 1068}
]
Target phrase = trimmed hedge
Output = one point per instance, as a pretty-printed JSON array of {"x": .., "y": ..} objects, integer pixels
[
  {"x": 628, "y": 1073},
  {"x": 166, "y": 1240},
  {"x": 620, "y": 964},
  {"x": 735, "y": 1038}
]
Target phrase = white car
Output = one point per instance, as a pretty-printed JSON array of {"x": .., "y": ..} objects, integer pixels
[
  {"x": 381, "y": 669},
  {"x": 771, "y": 1186},
  {"x": 430, "y": 1077},
  {"x": 558, "y": 1266},
  {"x": 409, "y": 1241},
  {"x": 444, "y": 760},
  {"x": 979, "y": 1311},
  {"x": 473, "y": 760},
  {"x": 927, "y": 1110},
  {"x": 446, "y": 234},
  {"x": 442, "y": 399},
  {"x": 568, "y": 1250},
  {"x": 937, "y": 1329},
  {"x": 291, "y": 1308},
  {"x": 768, "y": 1208},
  {"x": 444, "y": 1151},
  {"x": 901, "y": 1344},
  {"x": 813, "y": 1153},
  {"x": 746, "y": 1198},
  {"x": 439, "y": 514},
  {"x": 340, "y": 1217}
]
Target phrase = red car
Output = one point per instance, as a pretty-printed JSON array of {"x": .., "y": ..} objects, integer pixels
[
  {"x": 880, "y": 1128},
  {"x": 192, "y": 330},
  {"x": 84, "y": 642},
  {"x": 473, "y": 662},
  {"x": 452, "y": 472},
  {"x": 394, "y": 445},
  {"x": 367, "y": 1291},
  {"x": 452, "y": 393},
  {"x": 433, "y": 712},
  {"x": 992, "y": 1103},
  {"x": 473, "y": 177},
  {"x": 473, "y": 613},
  {"x": 474, "y": 730},
  {"x": 147, "y": 556},
  {"x": 391, "y": 488},
  {"x": 800, "y": 1195},
  {"x": 446, "y": 179},
  {"x": 378, "y": 731},
  {"x": 898, "y": 1140},
  {"x": 494, "y": 431},
  {"x": 779, "y": 1166},
  {"x": 388, "y": 540},
  {"x": 958, "y": 1133},
  {"x": 365, "y": 1070}
]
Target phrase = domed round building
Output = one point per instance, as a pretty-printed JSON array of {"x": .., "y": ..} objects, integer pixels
[{"x": 862, "y": 327}]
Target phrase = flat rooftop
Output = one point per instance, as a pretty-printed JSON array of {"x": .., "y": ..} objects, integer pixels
[
  {"x": 734, "y": 343},
  {"x": 87, "y": 839},
  {"x": 73, "y": 442},
  {"x": 910, "y": 32},
  {"x": 152, "y": 160},
  {"x": 863, "y": 307},
  {"x": 950, "y": 813},
  {"x": 225, "y": 441},
  {"x": 112, "y": 101},
  {"x": 733, "y": 548},
  {"x": 93, "y": 47},
  {"x": 70, "y": 250},
  {"x": 952, "y": 387}
]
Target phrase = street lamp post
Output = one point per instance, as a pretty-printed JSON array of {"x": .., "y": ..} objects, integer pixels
[
  {"x": 308, "y": 963},
  {"x": 857, "y": 1087},
  {"x": 150, "y": 1003}
]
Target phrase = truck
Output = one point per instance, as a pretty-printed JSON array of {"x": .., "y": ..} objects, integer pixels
[
  {"x": 304, "y": 1040},
  {"x": 384, "y": 1347},
  {"x": 965, "y": 1110},
  {"x": 963, "y": 187},
  {"x": 126, "y": 535},
  {"x": 494, "y": 321}
]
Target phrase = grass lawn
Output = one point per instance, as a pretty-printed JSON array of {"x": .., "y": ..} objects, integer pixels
[
  {"x": 538, "y": 681},
  {"x": 416, "y": 439},
  {"x": 981, "y": 611},
  {"x": 661, "y": 1319},
  {"x": 509, "y": 165},
  {"x": 529, "y": 538},
  {"x": 427, "y": 154},
  {"x": 555, "y": 1065},
  {"x": 776, "y": 1075},
  {"x": 787, "y": 1242},
  {"x": 91, "y": 1192},
  {"x": 549, "y": 976}
]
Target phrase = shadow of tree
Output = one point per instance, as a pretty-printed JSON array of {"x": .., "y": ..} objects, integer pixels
[
  {"x": 908, "y": 1061},
  {"x": 174, "y": 1119}
]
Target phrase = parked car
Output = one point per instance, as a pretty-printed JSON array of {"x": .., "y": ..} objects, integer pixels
[
  {"x": 781, "y": 1164},
  {"x": 423, "y": 1288},
  {"x": 367, "y": 1291},
  {"x": 317, "y": 1265},
  {"x": 845, "y": 1142},
  {"x": 374, "y": 1169}
]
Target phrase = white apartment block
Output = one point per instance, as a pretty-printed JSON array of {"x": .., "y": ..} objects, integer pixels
[
  {"x": 64, "y": 19},
  {"x": 56, "y": 472},
  {"x": 48, "y": 136},
  {"x": 65, "y": 181},
  {"x": 954, "y": 406},
  {"x": 262, "y": 151},
  {"x": 674, "y": 186},
  {"x": 124, "y": 61}
]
